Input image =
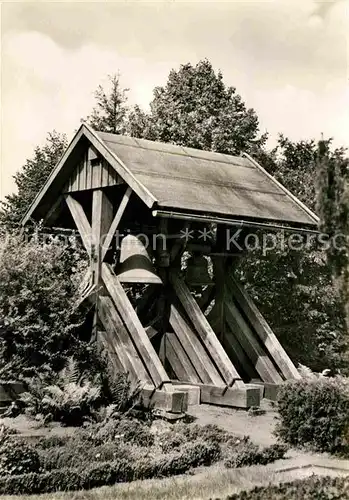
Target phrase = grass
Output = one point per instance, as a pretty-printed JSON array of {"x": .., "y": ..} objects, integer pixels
[{"x": 211, "y": 482}]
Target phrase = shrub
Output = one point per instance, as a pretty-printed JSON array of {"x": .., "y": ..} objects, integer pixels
[
  {"x": 121, "y": 429},
  {"x": 75, "y": 454},
  {"x": 312, "y": 488},
  {"x": 119, "y": 470},
  {"x": 6, "y": 433},
  {"x": 248, "y": 453},
  {"x": 208, "y": 432},
  {"x": 39, "y": 323},
  {"x": 315, "y": 413},
  {"x": 17, "y": 457}
]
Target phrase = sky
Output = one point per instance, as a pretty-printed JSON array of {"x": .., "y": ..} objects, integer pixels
[{"x": 288, "y": 59}]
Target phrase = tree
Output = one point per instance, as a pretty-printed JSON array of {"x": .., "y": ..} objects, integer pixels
[
  {"x": 333, "y": 209},
  {"x": 196, "y": 109},
  {"x": 309, "y": 318},
  {"x": 30, "y": 179},
  {"x": 110, "y": 112}
]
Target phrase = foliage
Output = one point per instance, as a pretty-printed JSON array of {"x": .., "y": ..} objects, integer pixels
[
  {"x": 107, "y": 473},
  {"x": 17, "y": 457},
  {"x": 196, "y": 109},
  {"x": 6, "y": 433},
  {"x": 315, "y": 413},
  {"x": 118, "y": 389},
  {"x": 311, "y": 488},
  {"x": 30, "y": 179},
  {"x": 310, "y": 321},
  {"x": 71, "y": 400},
  {"x": 111, "y": 108},
  {"x": 39, "y": 323},
  {"x": 333, "y": 208},
  {"x": 248, "y": 453}
]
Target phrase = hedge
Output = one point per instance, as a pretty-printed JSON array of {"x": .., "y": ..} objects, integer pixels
[
  {"x": 315, "y": 413},
  {"x": 106, "y": 474}
]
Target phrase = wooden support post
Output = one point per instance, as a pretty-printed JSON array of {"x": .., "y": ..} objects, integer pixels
[
  {"x": 120, "y": 339},
  {"x": 115, "y": 223},
  {"x": 207, "y": 335},
  {"x": 192, "y": 345},
  {"x": 235, "y": 351},
  {"x": 243, "y": 333},
  {"x": 179, "y": 360},
  {"x": 102, "y": 214},
  {"x": 220, "y": 275},
  {"x": 81, "y": 221},
  {"x": 134, "y": 326},
  {"x": 263, "y": 331}
]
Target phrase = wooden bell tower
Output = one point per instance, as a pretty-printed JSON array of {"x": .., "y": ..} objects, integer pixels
[{"x": 153, "y": 219}]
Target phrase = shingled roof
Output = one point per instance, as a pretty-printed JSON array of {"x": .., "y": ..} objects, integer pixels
[{"x": 185, "y": 180}]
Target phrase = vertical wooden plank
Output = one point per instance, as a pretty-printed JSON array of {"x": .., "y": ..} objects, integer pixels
[
  {"x": 115, "y": 222},
  {"x": 88, "y": 175},
  {"x": 104, "y": 173},
  {"x": 96, "y": 175},
  {"x": 102, "y": 216},
  {"x": 219, "y": 266}
]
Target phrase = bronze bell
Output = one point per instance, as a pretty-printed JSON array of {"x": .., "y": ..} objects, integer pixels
[
  {"x": 135, "y": 264},
  {"x": 197, "y": 271}
]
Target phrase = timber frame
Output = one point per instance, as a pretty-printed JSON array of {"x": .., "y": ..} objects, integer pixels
[{"x": 202, "y": 343}]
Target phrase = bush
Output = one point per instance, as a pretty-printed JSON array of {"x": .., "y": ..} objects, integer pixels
[
  {"x": 39, "y": 322},
  {"x": 312, "y": 488},
  {"x": 119, "y": 470},
  {"x": 17, "y": 457},
  {"x": 248, "y": 453},
  {"x": 129, "y": 430},
  {"x": 209, "y": 432},
  {"x": 315, "y": 413}
]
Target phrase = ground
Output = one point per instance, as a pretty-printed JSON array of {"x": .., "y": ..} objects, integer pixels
[{"x": 207, "y": 482}]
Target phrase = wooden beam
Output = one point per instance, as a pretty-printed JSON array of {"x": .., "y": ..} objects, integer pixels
[
  {"x": 174, "y": 402},
  {"x": 81, "y": 221},
  {"x": 120, "y": 339},
  {"x": 207, "y": 335},
  {"x": 102, "y": 214},
  {"x": 134, "y": 326},
  {"x": 249, "y": 395},
  {"x": 192, "y": 345},
  {"x": 234, "y": 397},
  {"x": 250, "y": 344},
  {"x": 115, "y": 223},
  {"x": 263, "y": 330},
  {"x": 103, "y": 340},
  {"x": 235, "y": 351},
  {"x": 219, "y": 267},
  {"x": 179, "y": 360}
]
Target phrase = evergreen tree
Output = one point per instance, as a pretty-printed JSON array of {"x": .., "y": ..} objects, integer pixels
[
  {"x": 30, "y": 179},
  {"x": 333, "y": 209},
  {"x": 110, "y": 112}
]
